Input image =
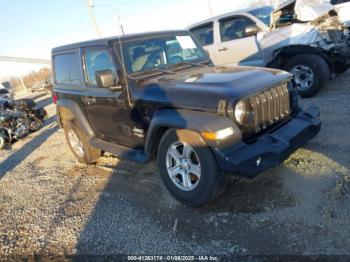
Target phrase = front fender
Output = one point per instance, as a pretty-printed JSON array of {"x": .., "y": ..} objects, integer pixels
[
  {"x": 289, "y": 51},
  {"x": 191, "y": 120}
]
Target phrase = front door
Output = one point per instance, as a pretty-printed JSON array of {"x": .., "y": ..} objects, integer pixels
[
  {"x": 234, "y": 46},
  {"x": 108, "y": 111}
]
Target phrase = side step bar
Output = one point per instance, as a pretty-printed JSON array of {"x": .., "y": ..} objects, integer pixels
[{"x": 137, "y": 155}]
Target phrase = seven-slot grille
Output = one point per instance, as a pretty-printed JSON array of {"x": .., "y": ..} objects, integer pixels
[{"x": 270, "y": 106}]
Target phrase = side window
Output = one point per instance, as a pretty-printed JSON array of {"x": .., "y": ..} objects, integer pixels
[
  {"x": 204, "y": 34},
  {"x": 97, "y": 60},
  {"x": 66, "y": 67},
  {"x": 234, "y": 28}
]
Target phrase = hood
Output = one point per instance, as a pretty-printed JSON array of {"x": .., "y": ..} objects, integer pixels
[
  {"x": 309, "y": 10},
  {"x": 303, "y": 10},
  {"x": 202, "y": 88}
]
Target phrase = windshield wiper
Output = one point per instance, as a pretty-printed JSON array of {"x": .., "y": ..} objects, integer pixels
[
  {"x": 203, "y": 63},
  {"x": 163, "y": 71}
]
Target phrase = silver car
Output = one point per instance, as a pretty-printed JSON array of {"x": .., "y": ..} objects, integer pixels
[{"x": 305, "y": 39}]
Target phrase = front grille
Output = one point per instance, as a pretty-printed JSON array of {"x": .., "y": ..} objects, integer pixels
[{"x": 270, "y": 106}]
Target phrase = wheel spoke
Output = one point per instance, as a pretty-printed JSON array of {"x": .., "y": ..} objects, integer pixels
[
  {"x": 174, "y": 154},
  {"x": 187, "y": 150},
  {"x": 195, "y": 170},
  {"x": 186, "y": 180},
  {"x": 174, "y": 171}
]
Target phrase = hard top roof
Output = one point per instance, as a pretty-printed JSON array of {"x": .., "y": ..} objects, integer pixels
[{"x": 104, "y": 41}]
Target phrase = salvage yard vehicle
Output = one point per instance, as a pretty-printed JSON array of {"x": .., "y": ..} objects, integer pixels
[
  {"x": 303, "y": 37},
  {"x": 18, "y": 118},
  {"x": 158, "y": 95},
  {"x": 4, "y": 93}
]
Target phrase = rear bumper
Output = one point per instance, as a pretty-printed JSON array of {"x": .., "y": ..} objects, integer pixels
[{"x": 271, "y": 148}]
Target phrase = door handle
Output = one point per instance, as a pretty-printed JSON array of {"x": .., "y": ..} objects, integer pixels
[
  {"x": 223, "y": 49},
  {"x": 89, "y": 100}
]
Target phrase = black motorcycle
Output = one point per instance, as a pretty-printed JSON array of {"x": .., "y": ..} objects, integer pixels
[{"x": 18, "y": 118}]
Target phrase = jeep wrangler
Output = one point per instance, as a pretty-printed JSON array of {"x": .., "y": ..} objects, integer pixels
[{"x": 158, "y": 95}]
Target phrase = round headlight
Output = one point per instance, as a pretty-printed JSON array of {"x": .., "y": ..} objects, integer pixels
[{"x": 242, "y": 113}]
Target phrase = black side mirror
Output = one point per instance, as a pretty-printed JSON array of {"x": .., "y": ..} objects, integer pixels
[
  {"x": 252, "y": 30},
  {"x": 106, "y": 79}
]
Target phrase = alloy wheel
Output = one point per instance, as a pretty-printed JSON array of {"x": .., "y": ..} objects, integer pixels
[
  {"x": 76, "y": 143},
  {"x": 304, "y": 76},
  {"x": 183, "y": 165}
]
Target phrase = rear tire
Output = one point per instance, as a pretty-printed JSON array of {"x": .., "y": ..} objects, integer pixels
[
  {"x": 79, "y": 145},
  {"x": 198, "y": 190},
  {"x": 311, "y": 73},
  {"x": 3, "y": 141}
]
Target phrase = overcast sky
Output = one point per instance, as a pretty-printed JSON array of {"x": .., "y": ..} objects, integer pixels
[{"x": 31, "y": 28}]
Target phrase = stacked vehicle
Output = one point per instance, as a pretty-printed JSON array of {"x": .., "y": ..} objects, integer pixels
[
  {"x": 304, "y": 37},
  {"x": 18, "y": 118}
]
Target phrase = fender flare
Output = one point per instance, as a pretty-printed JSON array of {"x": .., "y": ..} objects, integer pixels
[
  {"x": 76, "y": 114},
  {"x": 191, "y": 120},
  {"x": 293, "y": 50}
]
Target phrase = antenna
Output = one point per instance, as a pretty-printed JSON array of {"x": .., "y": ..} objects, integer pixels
[{"x": 123, "y": 64}]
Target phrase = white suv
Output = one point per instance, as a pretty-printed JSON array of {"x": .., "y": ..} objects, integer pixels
[{"x": 311, "y": 50}]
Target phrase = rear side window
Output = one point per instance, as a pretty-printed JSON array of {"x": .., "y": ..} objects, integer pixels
[
  {"x": 234, "y": 28},
  {"x": 97, "y": 60},
  {"x": 67, "y": 69},
  {"x": 204, "y": 34}
]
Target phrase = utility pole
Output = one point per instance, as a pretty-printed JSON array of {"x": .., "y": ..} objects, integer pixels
[
  {"x": 210, "y": 9},
  {"x": 90, "y": 5}
]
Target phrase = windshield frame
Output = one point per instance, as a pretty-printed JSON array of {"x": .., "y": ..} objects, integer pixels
[{"x": 120, "y": 43}]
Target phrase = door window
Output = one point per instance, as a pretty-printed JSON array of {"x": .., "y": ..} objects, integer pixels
[
  {"x": 97, "y": 60},
  {"x": 204, "y": 34},
  {"x": 66, "y": 68},
  {"x": 234, "y": 28}
]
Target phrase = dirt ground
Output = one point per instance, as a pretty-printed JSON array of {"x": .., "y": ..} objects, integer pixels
[{"x": 49, "y": 204}]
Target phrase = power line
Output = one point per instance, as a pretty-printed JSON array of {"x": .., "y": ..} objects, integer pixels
[
  {"x": 25, "y": 60},
  {"x": 122, "y": 3}
]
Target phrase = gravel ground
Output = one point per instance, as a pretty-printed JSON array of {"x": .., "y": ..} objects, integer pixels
[{"x": 51, "y": 205}]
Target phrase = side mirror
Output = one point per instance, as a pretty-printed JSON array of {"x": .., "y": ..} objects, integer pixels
[
  {"x": 252, "y": 30},
  {"x": 106, "y": 79}
]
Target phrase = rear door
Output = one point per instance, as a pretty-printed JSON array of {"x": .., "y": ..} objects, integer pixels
[
  {"x": 108, "y": 111},
  {"x": 234, "y": 46}
]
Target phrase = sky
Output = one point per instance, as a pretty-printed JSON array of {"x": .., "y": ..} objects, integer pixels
[{"x": 31, "y": 28}]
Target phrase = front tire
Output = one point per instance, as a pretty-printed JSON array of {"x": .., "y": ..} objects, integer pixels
[
  {"x": 79, "y": 145},
  {"x": 188, "y": 168},
  {"x": 311, "y": 73}
]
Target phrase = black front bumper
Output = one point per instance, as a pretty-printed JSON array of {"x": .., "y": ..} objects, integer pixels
[{"x": 271, "y": 148}]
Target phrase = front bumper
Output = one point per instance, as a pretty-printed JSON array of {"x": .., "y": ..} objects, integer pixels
[{"x": 271, "y": 148}]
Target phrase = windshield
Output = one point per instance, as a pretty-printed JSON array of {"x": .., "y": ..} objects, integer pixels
[
  {"x": 161, "y": 53},
  {"x": 263, "y": 13}
]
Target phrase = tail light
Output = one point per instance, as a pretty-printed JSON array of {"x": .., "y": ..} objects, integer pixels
[{"x": 54, "y": 99}]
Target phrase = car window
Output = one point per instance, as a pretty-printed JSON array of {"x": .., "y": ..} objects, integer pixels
[
  {"x": 204, "y": 34},
  {"x": 97, "y": 60},
  {"x": 234, "y": 28},
  {"x": 263, "y": 14},
  {"x": 66, "y": 68},
  {"x": 161, "y": 53},
  {"x": 337, "y": 2}
]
